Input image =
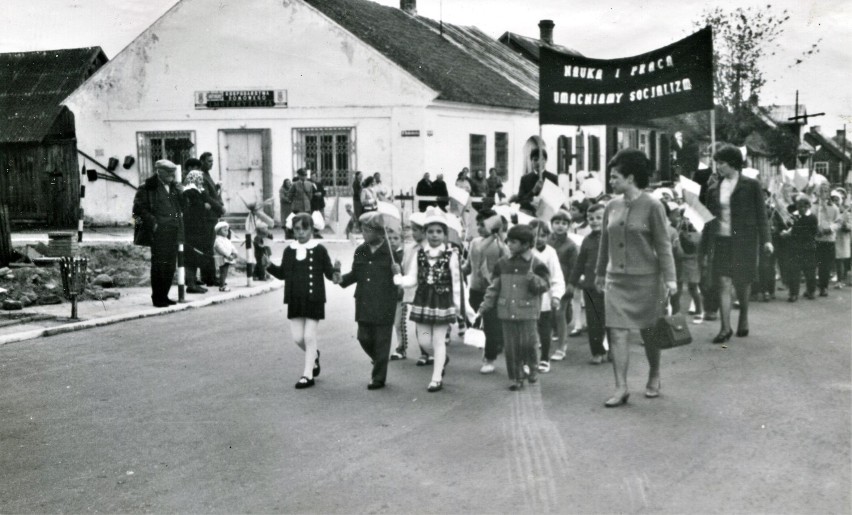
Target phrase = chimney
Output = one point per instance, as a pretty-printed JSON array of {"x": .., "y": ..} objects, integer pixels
[
  {"x": 546, "y": 31},
  {"x": 816, "y": 128},
  {"x": 841, "y": 133},
  {"x": 408, "y": 6}
]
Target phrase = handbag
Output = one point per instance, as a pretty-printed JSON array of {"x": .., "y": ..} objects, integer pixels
[
  {"x": 474, "y": 336},
  {"x": 672, "y": 331}
]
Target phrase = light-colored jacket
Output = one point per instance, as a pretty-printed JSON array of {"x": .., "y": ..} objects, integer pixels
[
  {"x": 635, "y": 239},
  {"x": 550, "y": 259}
]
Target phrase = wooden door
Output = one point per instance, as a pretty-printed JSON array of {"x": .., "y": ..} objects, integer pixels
[{"x": 242, "y": 169}]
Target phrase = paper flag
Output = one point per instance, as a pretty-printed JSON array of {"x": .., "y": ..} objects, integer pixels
[
  {"x": 801, "y": 177},
  {"x": 524, "y": 219},
  {"x": 459, "y": 195},
  {"x": 697, "y": 215},
  {"x": 689, "y": 185},
  {"x": 551, "y": 199}
]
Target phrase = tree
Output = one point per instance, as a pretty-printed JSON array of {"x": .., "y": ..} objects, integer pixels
[{"x": 742, "y": 39}]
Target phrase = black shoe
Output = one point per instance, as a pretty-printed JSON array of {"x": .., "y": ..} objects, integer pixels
[
  {"x": 723, "y": 336},
  {"x": 809, "y": 296},
  {"x": 425, "y": 360},
  {"x": 317, "y": 365},
  {"x": 170, "y": 302},
  {"x": 516, "y": 386},
  {"x": 161, "y": 305},
  {"x": 823, "y": 292},
  {"x": 742, "y": 333},
  {"x": 375, "y": 385},
  {"x": 435, "y": 386},
  {"x": 196, "y": 289},
  {"x": 397, "y": 355},
  {"x": 792, "y": 298},
  {"x": 304, "y": 382}
]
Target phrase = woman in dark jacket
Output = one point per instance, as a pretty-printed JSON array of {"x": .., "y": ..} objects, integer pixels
[
  {"x": 195, "y": 227},
  {"x": 739, "y": 230}
]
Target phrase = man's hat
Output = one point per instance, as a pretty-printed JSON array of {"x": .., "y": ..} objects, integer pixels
[{"x": 165, "y": 164}]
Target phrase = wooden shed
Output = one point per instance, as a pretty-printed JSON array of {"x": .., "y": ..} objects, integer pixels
[{"x": 39, "y": 177}]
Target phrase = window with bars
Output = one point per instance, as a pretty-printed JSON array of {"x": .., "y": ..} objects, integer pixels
[
  {"x": 821, "y": 167},
  {"x": 329, "y": 151},
  {"x": 594, "y": 153},
  {"x": 581, "y": 151},
  {"x": 501, "y": 154},
  {"x": 176, "y": 146},
  {"x": 477, "y": 153},
  {"x": 565, "y": 154}
]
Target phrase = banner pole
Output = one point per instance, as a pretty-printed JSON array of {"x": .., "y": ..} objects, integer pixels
[{"x": 713, "y": 138}]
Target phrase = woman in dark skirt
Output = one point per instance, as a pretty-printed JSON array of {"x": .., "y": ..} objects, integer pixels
[
  {"x": 435, "y": 273},
  {"x": 303, "y": 266},
  {"x": 739, "y": 230},
  {"x": 195, "y": 228},
  {"x": 635, "y": 268}
]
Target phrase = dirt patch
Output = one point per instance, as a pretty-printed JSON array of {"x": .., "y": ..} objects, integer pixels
[{"x": 111, "y": 267}]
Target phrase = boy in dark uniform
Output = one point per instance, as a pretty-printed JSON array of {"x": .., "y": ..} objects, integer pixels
[{"x": 376, "y": 296}]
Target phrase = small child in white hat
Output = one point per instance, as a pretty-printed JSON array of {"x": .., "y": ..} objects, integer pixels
[{"x": 225, "y": 253}]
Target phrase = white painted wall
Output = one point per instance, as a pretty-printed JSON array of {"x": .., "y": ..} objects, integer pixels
[{"x": 332, "y": 78}]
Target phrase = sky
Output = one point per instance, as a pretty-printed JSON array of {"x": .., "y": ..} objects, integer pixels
[{"x": 601, "y": 29}]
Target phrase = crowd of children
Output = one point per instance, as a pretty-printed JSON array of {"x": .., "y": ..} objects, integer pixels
[{"x": 524, "y": 284}]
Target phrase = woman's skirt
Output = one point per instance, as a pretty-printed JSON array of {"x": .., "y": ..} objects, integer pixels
[
  {"x": 304, "y": 308},
  {"x": 633, "y": 301},
  {"x": 431, "y": 307},
  {"x": 736, "y": 259}
]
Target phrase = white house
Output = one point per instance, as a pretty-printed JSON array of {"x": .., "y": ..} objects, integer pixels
[{"x": 269, "y": 86}]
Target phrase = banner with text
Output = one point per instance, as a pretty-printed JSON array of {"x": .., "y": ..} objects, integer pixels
[{"x": 675, "y": 79}]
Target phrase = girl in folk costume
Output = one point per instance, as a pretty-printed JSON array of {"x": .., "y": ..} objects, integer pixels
[
  {"x": 303, "y": 266},
  {"x": 436, "y": 304}
]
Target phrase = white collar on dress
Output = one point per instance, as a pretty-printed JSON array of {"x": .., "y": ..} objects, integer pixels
[
  {"x": 302, "y": 248},
  {"x": 434, "y": 252}
]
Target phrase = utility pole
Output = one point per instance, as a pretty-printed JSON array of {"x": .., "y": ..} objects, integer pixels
[{"x": 803, "y": 117}]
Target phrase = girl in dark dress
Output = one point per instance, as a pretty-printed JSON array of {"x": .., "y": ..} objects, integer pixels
[{"x": 303, "y": 266}]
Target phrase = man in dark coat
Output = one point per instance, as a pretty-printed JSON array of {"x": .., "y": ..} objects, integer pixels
[
  {"x": 532, "y": 182},
  {"x": 439, "y": 189},
  {"x": 215, "y": 211},
  {"x": 159, "y": 224},
  {"x": 424, "y": 189},
  {"x": 375, "y": 296}
]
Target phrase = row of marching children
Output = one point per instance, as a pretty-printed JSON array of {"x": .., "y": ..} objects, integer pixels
[{"x": 515, "y": 283}]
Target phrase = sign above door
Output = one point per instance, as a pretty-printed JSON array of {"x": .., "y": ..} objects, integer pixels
[{"x": 240, "y": 98}]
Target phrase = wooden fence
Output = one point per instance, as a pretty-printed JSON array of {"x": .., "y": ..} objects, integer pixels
[{"x": 40, "y": 183}]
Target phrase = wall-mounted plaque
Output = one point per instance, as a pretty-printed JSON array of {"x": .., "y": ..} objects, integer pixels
[{"x": 240, "y": 98}]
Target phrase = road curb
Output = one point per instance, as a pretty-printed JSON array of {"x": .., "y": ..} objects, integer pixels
[{"x": 145, "y": 313}]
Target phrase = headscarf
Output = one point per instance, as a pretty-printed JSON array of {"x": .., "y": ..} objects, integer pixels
[{"x": 194, "y": 179}]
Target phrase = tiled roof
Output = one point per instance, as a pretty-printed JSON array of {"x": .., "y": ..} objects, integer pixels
[
  {"x": 459, "y": 65},
  {"x": 32, "y": 84},
  {"x": 817, "y": 139},
  {"x": 530, "y": 48}
]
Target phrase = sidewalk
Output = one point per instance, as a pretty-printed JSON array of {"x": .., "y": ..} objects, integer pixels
[{"x": 134, "y": 303}]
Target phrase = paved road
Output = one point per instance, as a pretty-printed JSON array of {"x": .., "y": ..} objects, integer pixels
[{"x": 196, "y": 412}]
